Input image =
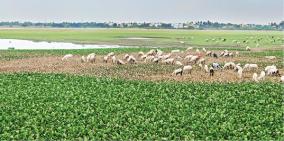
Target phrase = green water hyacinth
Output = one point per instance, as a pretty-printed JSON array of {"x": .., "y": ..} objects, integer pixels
[{"x": 57, "y": 106}]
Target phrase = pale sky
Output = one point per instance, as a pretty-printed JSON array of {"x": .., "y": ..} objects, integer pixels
[{"x": 234, "y": 11}]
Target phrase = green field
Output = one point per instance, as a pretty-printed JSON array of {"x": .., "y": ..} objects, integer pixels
[
  {"x": 158, "y": 38},
  {"x": 50, "y": 106}
]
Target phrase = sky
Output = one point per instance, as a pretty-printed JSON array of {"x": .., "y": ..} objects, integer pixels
[{"x": 171, "y": 11}]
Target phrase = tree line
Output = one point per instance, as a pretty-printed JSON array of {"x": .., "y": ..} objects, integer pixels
[{"x": 189, "y": 25}]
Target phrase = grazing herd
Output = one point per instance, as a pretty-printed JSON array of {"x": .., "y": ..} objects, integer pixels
[{"x": 186, "y": 60}]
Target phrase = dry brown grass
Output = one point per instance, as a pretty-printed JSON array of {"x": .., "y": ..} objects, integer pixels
[{"x": 139, "y": 71}]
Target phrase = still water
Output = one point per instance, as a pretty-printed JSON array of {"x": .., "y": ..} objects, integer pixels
[{"x": 27, "y": 44}]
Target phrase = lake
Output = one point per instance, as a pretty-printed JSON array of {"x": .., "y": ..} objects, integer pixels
[{"x": 27, "y": 44}]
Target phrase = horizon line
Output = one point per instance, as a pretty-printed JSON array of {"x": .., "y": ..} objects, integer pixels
[{"x": 144, "y": 22}]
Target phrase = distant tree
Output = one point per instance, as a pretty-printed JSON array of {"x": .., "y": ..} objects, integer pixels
[
  {"x": 188, "y": 25},
  {"x": 281, "y": 25}
]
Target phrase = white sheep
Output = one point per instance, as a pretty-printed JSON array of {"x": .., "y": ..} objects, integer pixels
[
  {"x": 189, "y": 48},
  {"x": 240, "y": 72},
  {"x": 206, "y": 68},
  {"x": 157, "y": 59},
  {"x": 201, "y": 61},
  {"x": 169, "y": 61},
  {"x": 91, "y": 58},
  {"x": 194, "y": 59},
  {"x": 175, "y": 51},
  {"x": 140, "y": 54},
  {"x": 209, "y": 53},
  {"x": 257, "y": 78},
  {"x": 237, "y": 53},
  {"x": 159, "y": 52},
  {"x": 238, "y": 67},
  {"x": 254, "y": 77},
  {"x": 113, "y": 58},
  {"x": 110, "y": 54},
  {"x": 105, "y": 59},
  {"x": 143, "y": 57},
  {"x": 187, "y": 69},
  {"x": 178, "y": 63},
  {"x": 167, "y": 56},
  {"x": 226, "y": 54},
  {"x": 270, "y": 57},
  {"x": 67, "y": 56},
  {"x": 131, "y": 60},
  {"x": 229, "y": 65},
  {"x": 222, "y": 53},
  {"x": 282, "y": 79},
  {"x": 197, "y": 51},
  {"x": 83, "y": 59},
  {"x": 261, "y": 76},
  {"x": 269, "y": 67},
  {"x": 120, "y": 62},
  {"x": 250, "y": 67},
  {"x": 149, "y": 59},
  {"x": 179, "y": 58},
  {"x": 152, "y": 52},
  {"x": 126, "y": 56},
  {"x": 204, "y": 50},
  {"x": 188, "y": 57},
  {"x": 273, "y": 72}
]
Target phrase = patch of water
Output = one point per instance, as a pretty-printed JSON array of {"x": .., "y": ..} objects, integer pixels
[
  {"x": 137, "y": 38},
  {"x": 27, "y": 44}
]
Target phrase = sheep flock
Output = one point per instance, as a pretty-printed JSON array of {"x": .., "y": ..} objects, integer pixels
[{"x": 185, "y": 62}]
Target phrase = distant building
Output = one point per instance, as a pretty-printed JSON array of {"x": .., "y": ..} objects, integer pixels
[{"x": 178, "y": 25}]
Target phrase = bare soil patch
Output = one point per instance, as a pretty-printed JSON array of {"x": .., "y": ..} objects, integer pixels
[{"x": 139, "y": 71}]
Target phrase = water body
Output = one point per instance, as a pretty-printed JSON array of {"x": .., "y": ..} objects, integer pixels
[
  {"x": 137, "y": 38},
  {"x": 27, "y": 44}
]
